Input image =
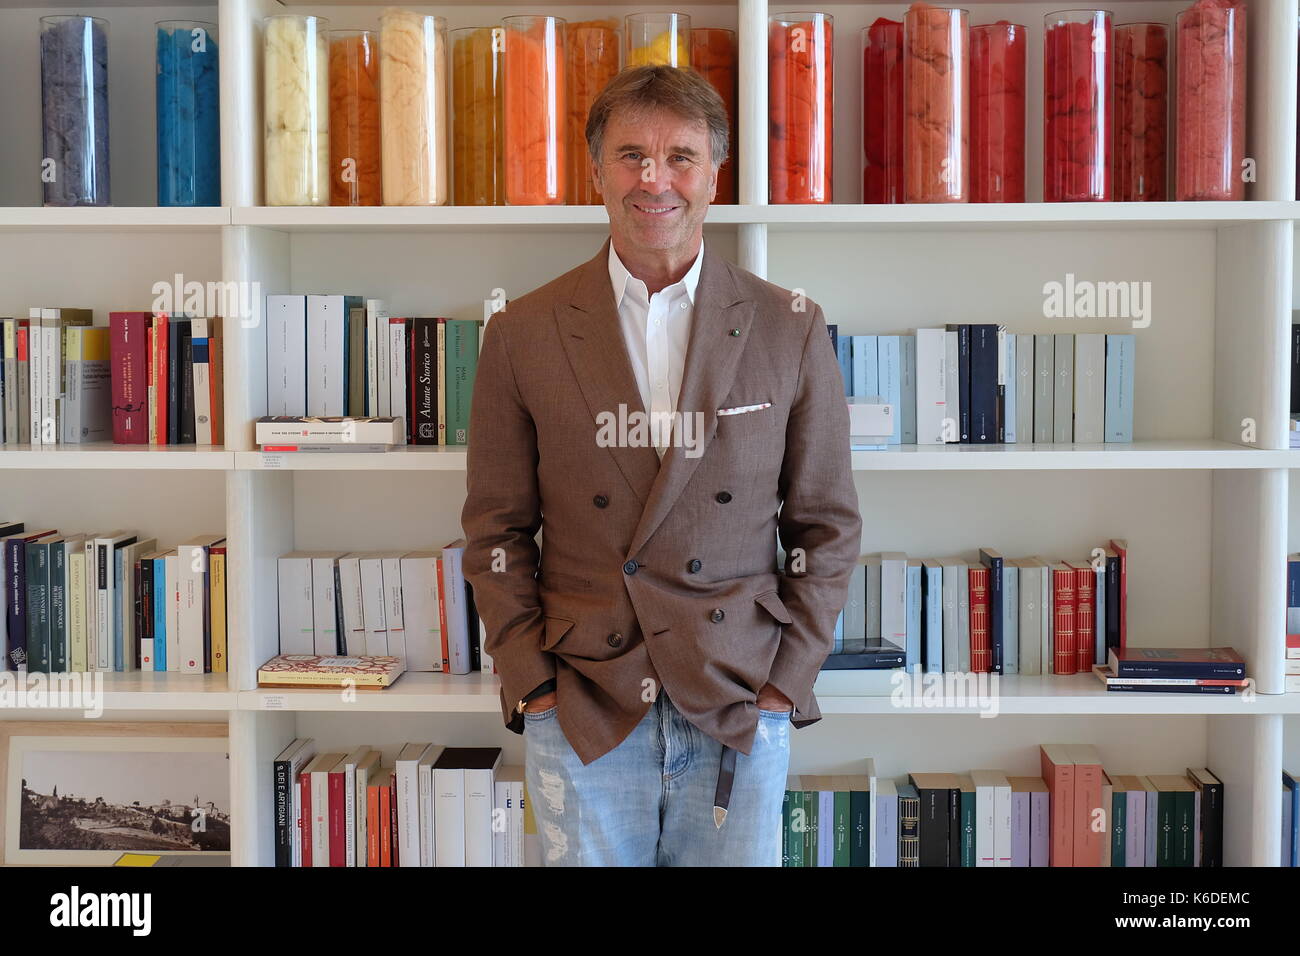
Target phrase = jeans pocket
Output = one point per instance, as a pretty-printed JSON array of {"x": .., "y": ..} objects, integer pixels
[
  {"x": 775, "y": 714},
  {"x": 534, "y": 716}
]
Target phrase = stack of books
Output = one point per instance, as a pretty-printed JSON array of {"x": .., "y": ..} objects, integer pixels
[
  {"x": 1294, "y": 432},
  {"x": 295, "y": 433},
  {"x": 1173, "y": 670}
]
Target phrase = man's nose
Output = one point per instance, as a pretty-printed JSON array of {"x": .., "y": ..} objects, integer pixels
[{"x": 656, "y": 177}]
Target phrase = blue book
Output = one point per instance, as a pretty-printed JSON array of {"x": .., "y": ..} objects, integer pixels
[
  {"x": 825, "y": 827},
  {"x": 993, "y": 561},
  {"x": 844, "y": 351},
  {"x": 1099, "y": 590},
  {"x": 907, "y": 349},
  {"x": 889, "y": 376},
  {"x": 1009, "y": 390},
  {"x": 1293, "y": 583},
  {"x": 913, "y": 647},
  {"x": 118, "y": 630},
  {"x": 865, "y": 373},
  {"x": 1290, "y": 821},
  {"x": 1120, "y": 356},
  {"x": 161, "y": 600},
  {"x": 984, "y": 384},
  {"x": 1010, "y": 619},
  {"x": 932, "y": 587}
]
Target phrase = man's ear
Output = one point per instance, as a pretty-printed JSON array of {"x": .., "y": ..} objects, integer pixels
[{"x": 595, "y": 176}]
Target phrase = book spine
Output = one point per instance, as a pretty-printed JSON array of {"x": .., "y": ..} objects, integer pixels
[{"x": 1064, "y": 654}]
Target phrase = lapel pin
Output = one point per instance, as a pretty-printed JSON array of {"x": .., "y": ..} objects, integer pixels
[{"x": 735, "y": 331}]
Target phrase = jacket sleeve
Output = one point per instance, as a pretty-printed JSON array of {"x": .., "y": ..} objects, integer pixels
[
  {"x": 501, "y": 517},
  {"x": 819, "y": 525}
]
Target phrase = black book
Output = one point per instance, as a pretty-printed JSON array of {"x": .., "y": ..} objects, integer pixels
[
  {"x": 422, "y": 421},
  {"x": 186, "y": 424},
  {"x": 993, "y": 561},
  {"x": 144, "y": 604},
  {"x": 983, "y": 389},
  {"x": 878, "y": 653},
  {"x": 935, "y": 791},
  {"x": 909, "y": 831},
  {"x": 471, "y": 617},
  {"x": 1112, "y": 601},
  {"x": 1211, "y": 822},
  {"x": 1295, "y": 368}
]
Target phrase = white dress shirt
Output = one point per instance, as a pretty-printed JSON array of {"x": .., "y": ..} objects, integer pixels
[{"x": 656, "y": 329}]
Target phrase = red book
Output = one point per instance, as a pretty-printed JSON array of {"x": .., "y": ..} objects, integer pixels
[
  {"x": 304, "y": 816},
  {"x": 1064, "y": 655},
  {"x": 372, "y": 824},
  {"x": 128, "y": 334},
  {"x": 338, "y": 817},
  {"x": 385, "y": 824},
  {"x": 393, "y": 833},
  {"x": 160, "y": 358},
  {"x": 1057, "y": 769},
  {"x": 1121, "y": 548},
  {"x": 1088, "y": 780},
  {"x": 1085, "y": 615},
  {"x": 1293, "y": 646},
  {"x": 980, "y": 648}
]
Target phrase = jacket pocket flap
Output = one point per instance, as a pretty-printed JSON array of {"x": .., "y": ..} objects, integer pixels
[
  {"x": 556, "y": 628},
  {"x": 771, "y": 602}
]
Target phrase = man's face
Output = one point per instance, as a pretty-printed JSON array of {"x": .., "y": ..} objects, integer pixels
[{"x": 657, "y": 179}]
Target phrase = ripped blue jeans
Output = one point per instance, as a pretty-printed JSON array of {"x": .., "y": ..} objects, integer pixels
[{"x": 649, "y": 801}]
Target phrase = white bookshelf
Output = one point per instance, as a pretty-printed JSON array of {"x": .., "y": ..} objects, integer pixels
[{"x": 1205, "y": 512}]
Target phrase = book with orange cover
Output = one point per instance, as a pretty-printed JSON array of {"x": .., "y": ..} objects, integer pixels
[{"x": 1057, "y": 767}]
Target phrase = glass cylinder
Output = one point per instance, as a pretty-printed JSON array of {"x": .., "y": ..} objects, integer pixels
[
  {"x": 355, "y": 177},
  {"x": 936, "y": 135},
  {"x": 997, "y": 112},
  {"x": 1141, "y": 112},
  {"x": 882, "y": 112},
  {"x": 295, "y": 107},
  {"x": 413, "y": 108},
  {"x": 657, "y": 39},
  {"x": 534, "y": 110},
  {"x": 800, "y": 107},
  {"x": 74, "y": 111},
  {"x": 713, "y": 56},
  {"x": 186, "y": 104},
  {"x": 1210, "y": 101},
  {"x": 592, "y": 51},
  {"x": 1078, "y": 106},
  {"x": 477, "y": 120}
]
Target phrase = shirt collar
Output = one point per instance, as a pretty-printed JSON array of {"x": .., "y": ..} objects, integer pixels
[{"x": 618, "y": 275}]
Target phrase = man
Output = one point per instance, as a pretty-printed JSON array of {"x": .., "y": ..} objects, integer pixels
[{"x": 657, "y": 662}]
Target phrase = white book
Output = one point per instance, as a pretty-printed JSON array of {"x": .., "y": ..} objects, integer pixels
[
  {"x": 952, "y": 384},
  {"x": 428, "y": 810},
  {"x": 893, "y": 597},
  {"x": 954, "y": 569},
  {"x": 394, "y": 621},
  {"x": 397, "y": 367},
  {"x": 1063, "y": 393},
  {"x": 873, "y": 787},
  {"x": 372, "y": 601},
  {"x": 75, "y": 583},
  {"x": 377, "y": 313},
  {"x": 985, "y": 816},
  {"x": 52, "y": 374},
  {"x": 501, "y": 836},
  {"x": 324, "y": 602},
  {"x": 420, "y": 612},
  {"x": 195, "y": 633},
  {"x": 297, "y": 605},
  {"x": 480, "y": 785},
  {"x": 368, "y": 766},
  {"x": 35, "y": 373},
  {"x": 963, "y": 620},
  {"x": 1089, "y": 387},
  {"x": 327, "y": 355},
  {"x": 454, "y": 603},
  {"x": 354, "y": 621},
  {"x": 931, "y": 385},
  {"x": 1024, "y": 388},
  {"x": 1045, "y": 619},
  {"x": 350, "y": 804},
  {"x": 171, "y": 566},
  {"x": 994, "y": 785},
  {"x": 286, "y": 355},
  {"x": 408, "y": 803},
  {"x": 105, "y": 620},
  {"x": 1029, "y": 611},
  {"x": 1044, "y": 387},
  {"x": 319, "y": 770},
  {"x": 202, "y": 375}
]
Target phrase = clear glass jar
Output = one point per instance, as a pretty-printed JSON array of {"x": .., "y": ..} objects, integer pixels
[
  {"x": 295, "y": 110},
  {"x": 74, "y": 111},
  {"x": 413, "y": 108},
  {"x": 882, "y": 111},
  {"x": 1078, "y": 106},
  {"x": 997, "y": 112},
  {"x": 657, "y": 39},
  {"x": 592, "y": 49},
  {"x": 534, "y": 109},
  {"x": 187, "y": 111},
  {"x": 477, "y": 118},
  {"x": 800, "y": 100},
  {"x": 713, "y": 56},
  {"x": 355, "y": 175},
  {"x": 1210, "y": 101},
  {"x": 936, "y": 134},
  {"x": 1141, "y": 112}
]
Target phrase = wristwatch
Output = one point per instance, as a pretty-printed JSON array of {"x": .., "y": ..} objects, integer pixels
[{"x": 545, "y": 687}]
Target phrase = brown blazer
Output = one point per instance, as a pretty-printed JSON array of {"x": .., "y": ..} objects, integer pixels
[{"x": 659, "y": 576}]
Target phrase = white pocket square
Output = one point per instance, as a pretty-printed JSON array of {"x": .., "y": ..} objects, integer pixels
[{"x": 741, "y": 409}]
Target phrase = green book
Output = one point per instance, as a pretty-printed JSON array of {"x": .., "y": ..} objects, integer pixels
[
  {"x": 841, "y": 845},
  {"x": 462, "y": 338},
  {"x": 1118, "y": 813},
  {"x": 58, "y": 607},
  {"x": 796, "y": 822},
  {"x": 860, "y": 827},
  {"x": 38, "y": 606},
  {"x": 1175, "y": 809},
  {"x": 967, "y": 820},
  {"x": 811, "y": 799}
]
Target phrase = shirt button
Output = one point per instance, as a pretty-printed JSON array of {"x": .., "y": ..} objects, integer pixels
[
  {"x": 630, "y": 567},
  {"x": 614, "y": 640},
  {"x": 695, "y": 565},
  {"x": 723, "y": 497},
  {"x": 683, "y": 305},
  {"x": 717, "y": 615},
  {"x": 600, "y": 501}
]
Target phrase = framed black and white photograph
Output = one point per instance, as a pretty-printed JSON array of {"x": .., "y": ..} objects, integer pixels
[{"x": 87, "y": 799}]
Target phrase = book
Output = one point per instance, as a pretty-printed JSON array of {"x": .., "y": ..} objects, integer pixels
[{"x": 315, "y": 670}]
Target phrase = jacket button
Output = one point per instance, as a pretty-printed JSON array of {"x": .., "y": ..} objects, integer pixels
[
  {"x": 614, "y": 640},
  {"x": 694, "y": 565},
  {"x": 630, "y": 567},
  {"x": 723, "y": 496},
  {"x": 717, "y": 615},
  {"x": 600, "y": 501}
]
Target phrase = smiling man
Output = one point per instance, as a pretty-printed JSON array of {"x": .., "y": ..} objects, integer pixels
[{"x": 652, "y": 653}]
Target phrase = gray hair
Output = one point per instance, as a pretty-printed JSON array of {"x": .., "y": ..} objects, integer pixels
[{"x": 644, "y": 89}]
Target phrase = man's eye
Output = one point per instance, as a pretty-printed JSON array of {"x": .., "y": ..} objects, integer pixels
[{"x": 631, "y": 155}]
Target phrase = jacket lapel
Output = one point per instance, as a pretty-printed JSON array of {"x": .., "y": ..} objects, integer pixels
[{"x": 593, "y": 340}]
